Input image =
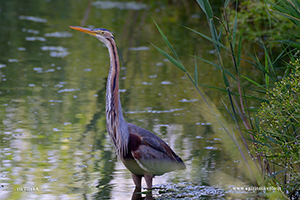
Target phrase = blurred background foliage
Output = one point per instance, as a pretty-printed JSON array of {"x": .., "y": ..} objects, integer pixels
[{"x": 258, "y": 24}]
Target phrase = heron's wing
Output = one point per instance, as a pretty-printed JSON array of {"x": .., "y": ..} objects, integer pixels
[
  {"x": 153, "y": 154},
  {"x": 155, "y": 162}
]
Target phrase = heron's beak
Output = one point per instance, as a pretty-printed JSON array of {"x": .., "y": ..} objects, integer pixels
[{"x": 85, "y": 30}]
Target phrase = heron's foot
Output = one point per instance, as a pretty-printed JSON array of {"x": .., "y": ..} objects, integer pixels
[{"x": 137, "y": 194}]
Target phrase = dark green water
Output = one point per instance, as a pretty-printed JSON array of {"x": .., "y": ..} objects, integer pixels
[{"x": 53, "y": 135}]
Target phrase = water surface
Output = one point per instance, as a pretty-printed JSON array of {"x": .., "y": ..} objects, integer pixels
[{"x": 52, "y": 99}]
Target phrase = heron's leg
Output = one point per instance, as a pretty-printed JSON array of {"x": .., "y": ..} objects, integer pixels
[
  {"x": 137, "y": 180},
  {"x": 148, "y": 179},
  {"x": 136, "y": 195}
]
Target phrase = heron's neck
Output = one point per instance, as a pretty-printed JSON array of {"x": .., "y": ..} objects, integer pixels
[{"x": 116, "y": 125}]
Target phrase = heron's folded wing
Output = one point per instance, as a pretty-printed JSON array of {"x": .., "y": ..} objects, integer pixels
[
  {"x": 156, "y": 158},
  {"x": 153, "y": 154}
]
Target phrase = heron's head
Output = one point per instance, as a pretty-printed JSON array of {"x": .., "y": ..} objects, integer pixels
[{"x": 101, "y": 33}]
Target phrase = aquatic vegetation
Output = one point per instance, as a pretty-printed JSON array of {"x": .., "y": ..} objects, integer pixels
[
  {"x": 187, "y": 191},
  {"x": 278, "y": 138},
  {"x": 256, "y": 24},
  {"x": 238, "y": 106}
]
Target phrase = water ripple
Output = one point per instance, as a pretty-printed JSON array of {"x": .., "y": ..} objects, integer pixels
[
  {"x": 58, "y": 51},
  {"x": 119, "y": 5},
  {"x": 155, "y": 111},
  {"x": 185, "y": 100},
  {"x": 31, "y": 18},
  {"x": 67, "y": 90},
  {"x": 139, "y": 49},
  {"x": 13, "y": 60},
  {"x": 59, "y": 34},
  {"x": 30, "y": 31},
  {"x": 166, "y": 82},
  {"x": 35, "y": 39}
]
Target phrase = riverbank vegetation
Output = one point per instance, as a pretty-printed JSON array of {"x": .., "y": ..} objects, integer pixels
[{"x": 264, "y": 109}]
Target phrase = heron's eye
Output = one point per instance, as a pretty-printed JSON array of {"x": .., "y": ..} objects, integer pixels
[{"x": 102, "y": 32}]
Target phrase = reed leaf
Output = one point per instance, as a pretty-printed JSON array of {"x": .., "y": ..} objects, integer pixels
[
  {"x": 259, "y": 66},
  {"x": 259, "y": 91},
  {"x": 297, "y": 4},
  {"x": 171, "y": 59},
  {"x": 235, "y": 25},
  {"x": 258, "y": 142},
  {"x": 286, "y": 15},
  {"x": 233, "y": 93},
  {"x": 226, "y": 81},
  {"x": 208, "y": 38},
  {"x": 254, "y": 82},
  {"x": 273, "y": 175},
  {"x": 205, "y": 6},
  {"x": 267, "y": 76},
  {"x": 239, "y": 54},
  {"x": 226, "y": 3},
  {"x": 167, "y": 42},
  {"x": 217, "y": 66},
  {"x": 196, "y": 72}
]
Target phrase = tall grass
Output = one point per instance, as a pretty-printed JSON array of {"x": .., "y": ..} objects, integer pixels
[
  {"x": 238, "y": 102},
  {"x": 177, "y": 62}
]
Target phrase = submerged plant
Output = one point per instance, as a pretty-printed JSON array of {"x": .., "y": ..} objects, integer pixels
[{"x": 279, "y": 131}]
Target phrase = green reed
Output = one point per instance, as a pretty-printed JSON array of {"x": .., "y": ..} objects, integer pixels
[{"x": 245, "y": 122}]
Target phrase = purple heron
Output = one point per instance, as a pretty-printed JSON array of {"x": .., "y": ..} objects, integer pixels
[{"x": 143, "y": 153}]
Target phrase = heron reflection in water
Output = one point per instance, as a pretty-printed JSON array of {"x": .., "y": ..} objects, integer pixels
[{"x": 143, "y": 153}]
